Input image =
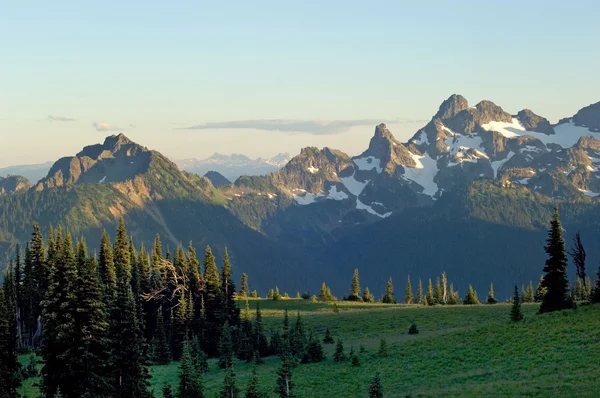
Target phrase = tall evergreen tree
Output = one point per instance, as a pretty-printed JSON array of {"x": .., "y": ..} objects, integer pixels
[
  {"x": 226, "y": 348},
  {"x": 252, "y": 390},
  {"x": 355, "y": 288},
  {"x": 230, "y": 311},
  {"x": 555, "y": 278},
  {"x": 515, "y": 312},
  {"x": 439, "y": 294},
  {"x": 285, "y": 384},
  {"x": 160, "y": 345},
  {"x": 388, "y": 296},
  {"x": 190, "y": 379},
  {"x": 9, "y": 365},
  {"x": 59, "y": 314},
  {"x": 375, "y": 388},
  {"x": 595, "y": 296},
  {"x": 106, "y": 267},
  {"x": 260, "y": 339},
  {"x": 430, "y": 298},
  {"x": 408, "y": 295},
  {"x": 212, "y": 304},
  {"x": 37, "y": 282},
  {"x": 420, "y": 293},
  {"x": 444, "y": 288},
  {"x": 91, "y": 342},
  {"x": 229, "y": 389},
  {"x": 471, "y": 297},
  {"x": 578, "y": 255},
  {"x": 244, "y": 290},
  {"x": 490, "y": 298},
  {"x": 540, "y": 291},
  {"x": 128, "y": 353}
]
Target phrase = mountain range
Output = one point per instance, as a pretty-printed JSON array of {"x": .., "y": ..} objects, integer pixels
[
  {"x": 235, "y": 165},
  {"x": 471, "y": 193}
]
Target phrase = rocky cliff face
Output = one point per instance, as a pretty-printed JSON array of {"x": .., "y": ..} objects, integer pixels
[{"x": 13, "y": 184}]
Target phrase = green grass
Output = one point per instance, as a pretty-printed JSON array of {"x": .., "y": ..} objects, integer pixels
[{"x": 460, "y": 351}]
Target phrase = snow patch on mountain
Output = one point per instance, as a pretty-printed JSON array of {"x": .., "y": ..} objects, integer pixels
[
  {"x": 353, "y": 185},
  {"x": 496, "y": 165},
  {"x": 334, "y": 194},
  {"x": 361, "y": 206},
  {"x": 368, "y": 163},
  {"x": 422, "y": 138},
  {"x": 307, "y": 198},
  {"x": 312, "y": 170},
  {"x": 102, "y": 180},
  {"x": 423, "y": 173},
  {"x": 588, "y": 193}
]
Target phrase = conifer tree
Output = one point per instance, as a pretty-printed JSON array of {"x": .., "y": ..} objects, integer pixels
[
  {"x": 595, "y": 296},
  {"x": 226, "y": 349},
  {"x": 375, "y": 388},
  {"x": 314, "y": 351},
  {"x": 212, "y": 304},
  {"x": 444, "y": 288},
  {"x": 420, "y": 293},
  {"x": 383, "y": 348},
  {"x": 355, "y": 288},
  {"x": 490, "y": 298},
  {"x": 59, "y": 310},
  {"x": 244, "y": 290},
  {"x": 167, "y": 391},
  {"x": 252, "y": 390},
  {"x": 106, "y": 267},
  {"x": 438, "y": 297},
  {"x": 339, "y": 355},
  {"x": 555, "y": 278},
  {"x": 91, "y": 343},
  {"x": 529, "y": 296},
  {"x": 36, "y": 283},
  {"x": 579, "y": 290},
  {"x": 453, "y": 297},
  {"x": 328, "y": 339},
  {"x": 515, "y": 312},
  {"x": 9, "y": 365},
  {"x": 260, "y": 339},
  {"x": 540, "y": 291},
  {"x": 578, "y": 255},
  {"x": 190, "y": 380},
  {"x": 408, "y": 295},
  {"x": 298, "y": 340},
  {"x": 430, "y": 299},
  {"x": 367, "y": 297},
  {"x": 285, "y": 384},
  {"x": 229, "y": 389},
  {"x": 230, "y": 310},
  {"x": 471, "y": 297},
  {"x": 388, "y": 296},
  {"x": 128, "y": 353},
  {"x": 160, "y": 349},
  {"x": 323, "y": 293}
]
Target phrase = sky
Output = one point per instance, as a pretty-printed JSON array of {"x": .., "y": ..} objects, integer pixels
[{"x": 190, "y": 78}]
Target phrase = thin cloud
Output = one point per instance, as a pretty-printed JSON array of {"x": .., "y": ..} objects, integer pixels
[
  {"x": 54, "y": 118},
  {"x": 104, "y": 126},
  {"x": 316, "y": 127}
]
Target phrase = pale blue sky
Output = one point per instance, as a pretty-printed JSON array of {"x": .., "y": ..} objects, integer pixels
[{"x": 160, "y": 66}]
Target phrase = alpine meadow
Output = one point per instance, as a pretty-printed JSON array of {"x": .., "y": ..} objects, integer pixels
[{"x": 315, "y": 199}]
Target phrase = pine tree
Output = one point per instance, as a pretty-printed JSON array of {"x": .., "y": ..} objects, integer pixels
[
  {"x": 167, "y": 392},
  {"x": 339, "y": 355},
  {"x": 328, "y": 339},
  {"x": 59, "y": 310},
  {"x": 388, "y": 296},
  {"x": 420, "y": 293},
  {"x": 285, "y": 384},
  {"x": 244, "y": 290},
  {"x": 595, "y": 296},
  {"x": 161, "y": 350},
  {"x": 367, "y": 296},
  {"x": 430, "y": 299},
  {"x": 375, "y": 388},
  {"x": 471, "y": 297},
  {"x": 36, "y": 282},
  {"x": 314, "y": 351},
  {"x": 298, "y": 340},
  {"x": 383, "y": 348},
  {"x": 355, "y": 288},
  {"x": 270, "y": 294},
  {"x": 529, "y": 296},
  {"x": 190, "y": 380},
  {"x": 444, "y": 288},
  {"x": 515, "y": 312},
  {"x": 578, "y": 255},
  {"x": 260, "y": 339},
  {"x": 128, "y": 353},
  {"x": 490, "y": 298},
  {"x": 226, "y": 349},
  {"x": 230, "y": 310},
  {"x": 439, "y": 294},
  {"x": 106, "y": 267},
  {"x": 555, "y": 278},
  {"x": 323, "y": 296},
  {"x": 91, "y": 341},
  {"x": 9, "y": 365},
  {"x": 355, "y": 361},
  {"x": 540, "y": 291},
  {"x": 212, "y": 304},
  {"x": 579, "y": 289},
  {"x": 229, "y": 389},
  {"x": 252, "y": 390},
  {"x": 408, "y": 295}
]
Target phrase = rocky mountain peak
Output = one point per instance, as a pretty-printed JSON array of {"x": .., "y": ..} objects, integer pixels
[
  {"x": 452, "y": 106},
  {"x": 217, "y": 179},
  {"x": 589, "y": 117},
  {"x": 13, "y": 184},
  {"x": 533, "y": 122}
]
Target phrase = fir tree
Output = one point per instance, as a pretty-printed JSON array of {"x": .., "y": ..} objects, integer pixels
[
  {"x": 9, "y": 365},
  {"x": 388, "y": 296},
  {"x": 355, "y": 361},
  {"x": 284, "y": 383},
  {"x": 229, "y": 389},
  {"x": 260, "y": 339},
  {"x": 555, "y": 278},
  {"x": 190, "y": 380},
  {"x": 375, "y": 388},
  {"x": 444, "y": 288},
  {"x": 244, "y": 291},
  {"x": 252, "y": 390},
  {"x": 270, "y": 294},
  {"x": 212, "y": 304},
  {"x": 367, "y": 296},
  {"x": 471, "y": 297},
  {"x": 408, "y": 295},
  {"x": 540, "y": 291},
  {"x": 515, "y": 312},
  {"x": 230, "y": 310},
  {"x": 106, "y": 267},
  {"x": 578, "y": 255},
  {"x": 579, "y": 290},
  {"x": 420, "y": 293},
  {"x": 161, "y": 350},
  {"x": 339, "y": 355},
  {"x": 490, "y": 298},
  {"x": 355, "y": 288},
  {"x": 383, "y": 348},
  {"x": 529, "y": 296},
  {"x": 128, "y": 353},
  {"x": 298, "y": 340},
  {"x": 314, "y": 351},
  {"x": 226, "y": 349},
  {"x": 167, "y": 392},
  {"x": 430, "y": 299},
  {"x": 439, "y": 294},
  {"x": 323, "y": 296},
  {"x": 328, "y": 339},
  {"x": 595, "y": 296},
  {"x": 36, "y": 282}
]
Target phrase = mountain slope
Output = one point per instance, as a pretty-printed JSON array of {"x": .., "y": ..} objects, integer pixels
[{"x": 13, "y": 184}]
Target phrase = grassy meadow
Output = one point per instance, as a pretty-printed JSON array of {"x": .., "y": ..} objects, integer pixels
[{"x": 459, "y": 351}]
